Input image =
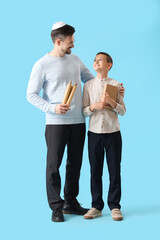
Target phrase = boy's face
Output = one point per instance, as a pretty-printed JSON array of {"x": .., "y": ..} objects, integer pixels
[{"x": 100, "y": 63}]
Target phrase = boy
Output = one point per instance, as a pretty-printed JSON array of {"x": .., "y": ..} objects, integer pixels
[{"x": 104, "y": 134}]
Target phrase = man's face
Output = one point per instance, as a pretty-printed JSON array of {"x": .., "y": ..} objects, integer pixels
[
  {"x": 100, "y": 63},
  {"x": 67, "y": 44}
]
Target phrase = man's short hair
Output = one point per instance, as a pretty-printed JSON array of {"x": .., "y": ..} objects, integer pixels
[
  {"x": 62, "y": 32},
  {"x": 108, "y": 57}
]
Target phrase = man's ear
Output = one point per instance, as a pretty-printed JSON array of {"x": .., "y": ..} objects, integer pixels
[{"x": 58, "y": 41}]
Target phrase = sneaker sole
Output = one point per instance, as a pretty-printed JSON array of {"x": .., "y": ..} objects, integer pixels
[
  {"x": 92, "y": 217},
  {"x": 53, "y": 220},
  {"x": 117, "y": 219},
  {"x": 72, "y": 212}
]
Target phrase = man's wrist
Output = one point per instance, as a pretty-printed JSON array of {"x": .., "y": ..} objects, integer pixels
[{"x": 52, "y": 108}]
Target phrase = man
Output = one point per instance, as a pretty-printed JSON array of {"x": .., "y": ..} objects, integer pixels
[{"x": 65, "y": 124}]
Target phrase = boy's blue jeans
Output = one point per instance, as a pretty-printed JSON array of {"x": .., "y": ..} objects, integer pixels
[{"x": 97, "y": 145}]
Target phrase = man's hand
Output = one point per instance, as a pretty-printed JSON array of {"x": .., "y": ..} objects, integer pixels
[
  {"x": 122, "y": 90},
  {"x": 96, "y": 106},
  {"x": 62, "y": 108}
]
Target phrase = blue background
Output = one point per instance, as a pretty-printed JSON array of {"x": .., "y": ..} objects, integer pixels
[{"x": 130, "y": 32}]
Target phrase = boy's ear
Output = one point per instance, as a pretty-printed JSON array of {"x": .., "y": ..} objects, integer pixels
[{"x": 109, "y": 65}]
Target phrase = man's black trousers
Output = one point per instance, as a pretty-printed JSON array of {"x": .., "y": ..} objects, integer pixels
[
  {"x": 112, "y": 144},
  {"x": 57, "y": 137}
]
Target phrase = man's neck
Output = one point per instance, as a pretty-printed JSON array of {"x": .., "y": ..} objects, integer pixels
[{"x": 56, "y": 53}]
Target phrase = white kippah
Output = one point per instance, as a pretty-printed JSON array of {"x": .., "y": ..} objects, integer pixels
[{"x": 58, "y": 25}]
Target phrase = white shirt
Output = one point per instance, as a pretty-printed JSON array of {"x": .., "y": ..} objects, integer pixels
[{"x": 106, "y": 120}]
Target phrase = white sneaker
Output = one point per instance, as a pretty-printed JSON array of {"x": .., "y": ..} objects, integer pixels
[
  {"x": 116, "y": 214},
  {"x": 92, "y": 213}
]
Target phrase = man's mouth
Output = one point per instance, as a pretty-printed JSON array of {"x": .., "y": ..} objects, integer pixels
[{"x": 68, "y": 51}]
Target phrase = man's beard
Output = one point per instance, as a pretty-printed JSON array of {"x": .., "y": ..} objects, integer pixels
[{"x": 68, "y": 51}]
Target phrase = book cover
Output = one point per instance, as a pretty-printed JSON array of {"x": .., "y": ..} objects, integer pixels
[{"x": 111, "y": 90}]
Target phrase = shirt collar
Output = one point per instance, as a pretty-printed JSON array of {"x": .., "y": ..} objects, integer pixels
[{"x": 102, "y": 79}]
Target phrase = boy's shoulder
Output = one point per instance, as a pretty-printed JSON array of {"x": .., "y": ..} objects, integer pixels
[
  {"x": 113, "y": 82},
  {"x": 89, "y": 83},
  {"x": 93, "y": 83}
]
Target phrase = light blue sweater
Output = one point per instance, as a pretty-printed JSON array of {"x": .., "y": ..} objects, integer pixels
[{"x": 52, "y": 74}]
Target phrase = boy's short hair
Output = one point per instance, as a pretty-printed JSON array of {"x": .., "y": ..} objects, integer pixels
[
  {"x": 108, "y": 57},
  {"x": 62, "y": 32}
]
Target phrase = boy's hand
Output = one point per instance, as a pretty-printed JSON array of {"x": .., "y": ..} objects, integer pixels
[
  {"x": 122, "y": 90},
  {"x": 96, "y": 106},
  {"x": 105, "y": 98},
  {"x": 108, "y": 106},
  {"x": 62, "y": 108},
  {"x": 108, "y": 101}
]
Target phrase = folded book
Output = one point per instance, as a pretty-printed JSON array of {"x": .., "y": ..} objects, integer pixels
[
  {"x": 70, "y": 90},
  {"x": 112, "y": 92}
]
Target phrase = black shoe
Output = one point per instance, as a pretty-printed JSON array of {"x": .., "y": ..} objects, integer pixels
[
  {"x": 73, "y": 208},
  {"x": 57, "y": 215}
]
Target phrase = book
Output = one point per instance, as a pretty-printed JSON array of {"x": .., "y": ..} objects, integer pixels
[
  {"x": 111, "y": 90},
  {"x": 70, "y": 90}
]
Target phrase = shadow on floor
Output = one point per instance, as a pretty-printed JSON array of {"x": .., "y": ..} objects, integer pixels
[{"x": 142, "y": 210}]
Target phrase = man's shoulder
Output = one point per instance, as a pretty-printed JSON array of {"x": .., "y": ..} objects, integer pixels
[
  {"x": 41, "y": 62},
  {"x": 74, "y": 56}
]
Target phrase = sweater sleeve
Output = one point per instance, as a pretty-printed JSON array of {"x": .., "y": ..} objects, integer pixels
[
  {"x": 86, "y": 75},
  {"x": 35, "y": 85}
]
